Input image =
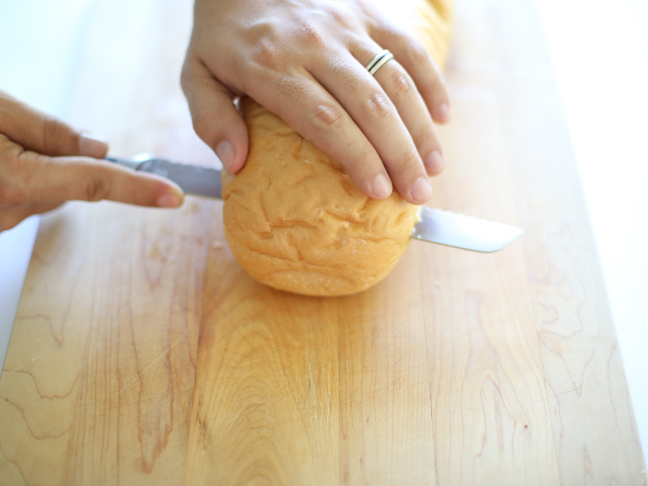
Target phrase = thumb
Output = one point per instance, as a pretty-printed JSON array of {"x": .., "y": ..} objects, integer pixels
[
  {"x": 45, "y": 134},
  {"x": 215, "y": 118}
]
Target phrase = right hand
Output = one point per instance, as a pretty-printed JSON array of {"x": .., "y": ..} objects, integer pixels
[
  {"x": 44, "y": 162},
  {"x": 305, "y": 61}
]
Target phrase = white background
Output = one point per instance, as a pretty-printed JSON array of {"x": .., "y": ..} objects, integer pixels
[
  {"x": 599, "y": 51},
  {"x": 38, "y": 55},
  {"x": 600, "y": 55}
]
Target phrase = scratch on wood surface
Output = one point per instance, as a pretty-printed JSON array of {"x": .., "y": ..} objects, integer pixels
[
  {"x": 166, "y": 351},
  {"x": 5, "y": 370}
]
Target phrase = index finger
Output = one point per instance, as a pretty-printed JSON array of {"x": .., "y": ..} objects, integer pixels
[{"x": 85, "y": 179}]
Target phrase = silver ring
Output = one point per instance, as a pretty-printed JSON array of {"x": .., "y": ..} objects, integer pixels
[{"x": 379, "y": 61}]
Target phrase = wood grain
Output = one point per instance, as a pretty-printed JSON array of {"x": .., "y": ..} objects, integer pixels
[{"x": 143, "y": 354}]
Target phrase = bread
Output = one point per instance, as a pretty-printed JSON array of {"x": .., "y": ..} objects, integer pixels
[{"x": 295, "y": 221}]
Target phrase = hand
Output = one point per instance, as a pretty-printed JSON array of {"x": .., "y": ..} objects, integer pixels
[
  {"x": 305, "y": 61},
  {"x": 44, "y": 162}
]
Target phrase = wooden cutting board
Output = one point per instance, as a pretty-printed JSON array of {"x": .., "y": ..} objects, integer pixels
[{"x": 143, "y": 354}]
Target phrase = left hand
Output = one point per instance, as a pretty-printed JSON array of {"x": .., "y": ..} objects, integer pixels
[{"x": 45, "y": 162}]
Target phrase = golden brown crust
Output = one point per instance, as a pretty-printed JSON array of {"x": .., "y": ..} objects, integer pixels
[{"x": 295, "y": 221}]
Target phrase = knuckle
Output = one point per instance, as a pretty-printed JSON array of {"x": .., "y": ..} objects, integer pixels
[
  {"x": 377, "y": 106},
  {"x": 367, "y": 159},
  {"x": 328, "y": 117},
  {"x": 426, "y": 138},
  {"x": 96, "y": 189},
  {"x": 401, "y": 85},
  {"x": 268, "y": 55},
  {"x": 340, "y": 16},
  {"x": 417, "y": 52},
  {"x": 409, "y": 161},
  {"x": 311, "y": 35},
  {"x": 204, "y": 123}
]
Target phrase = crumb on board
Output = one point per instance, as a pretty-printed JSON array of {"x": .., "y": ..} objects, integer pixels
[{"x": 216, "y": 245}]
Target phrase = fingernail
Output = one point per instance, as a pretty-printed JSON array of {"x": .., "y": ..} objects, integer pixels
[
  {"x": 225, "y": 152},
  {"x": 381, "y": 187},
  {"x": 434, "y": 162},
  {"x": 93, "y": 145},
  {"x": 442, "y": 113},
  {"x": 170, "y": 200},
  {"x": 421, "y": 190}
]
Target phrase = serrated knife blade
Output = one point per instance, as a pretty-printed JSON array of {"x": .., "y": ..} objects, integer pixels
[
  {"x": 192, "y": 179},
  {"x": 435, "y": 225},
  {"x": 461, "y": 231}
]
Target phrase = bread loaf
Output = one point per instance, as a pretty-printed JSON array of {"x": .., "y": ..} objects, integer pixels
[{"x": 295, "y": 220}]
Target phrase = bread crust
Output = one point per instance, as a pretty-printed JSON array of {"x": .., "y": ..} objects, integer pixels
[{"x": 295, "y": 220}]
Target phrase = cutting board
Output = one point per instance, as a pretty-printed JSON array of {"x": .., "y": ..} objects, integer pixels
[{"x": 143, "y": 354}]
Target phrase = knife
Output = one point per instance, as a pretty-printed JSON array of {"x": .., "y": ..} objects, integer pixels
[{"x": 437, "y": 226}]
